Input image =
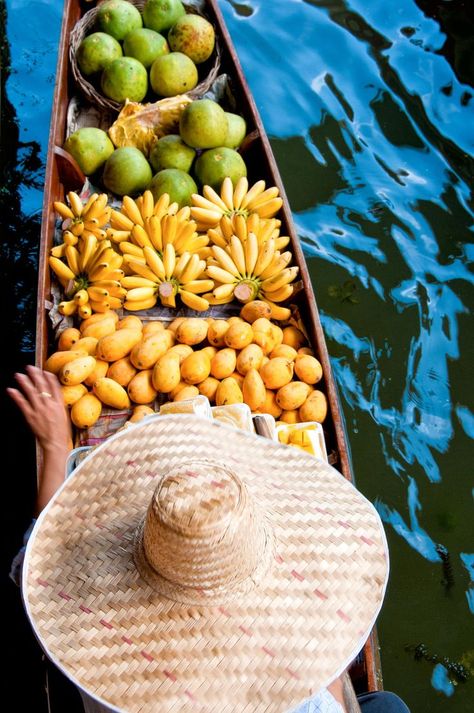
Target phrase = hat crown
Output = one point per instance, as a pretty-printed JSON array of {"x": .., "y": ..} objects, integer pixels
[{"x": 202, "y": 529}]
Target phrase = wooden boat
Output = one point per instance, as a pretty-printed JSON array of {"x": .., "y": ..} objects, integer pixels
[{"x": 63, "y": 174}]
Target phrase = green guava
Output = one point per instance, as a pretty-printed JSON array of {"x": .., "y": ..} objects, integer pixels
[
  {"x": 236, "y": 130},
  {"x": 118, "y": 18},
  {"x": 127, "y": 172},
  {"x": 203, "y": 124},
  {"x": 171, "y": 152},
  {"x": 193, "y": 35},
  {"x": 177, "y": 184},
  {"x": 145, "y": 45},
  {"x": 160, "y": 15},
  {"x": 125, "y": 78},
  {"x": 173, "y": 74},
  {"x": 90, "y": 147},
  {"x": 214, "y": 165},
  {"x": 96, "y": 51}
]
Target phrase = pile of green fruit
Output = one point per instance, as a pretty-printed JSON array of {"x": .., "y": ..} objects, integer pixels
[{"x": 159, "y": 48}]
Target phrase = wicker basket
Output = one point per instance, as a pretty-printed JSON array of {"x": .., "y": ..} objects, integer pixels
[{"x": 86, "y": 24}]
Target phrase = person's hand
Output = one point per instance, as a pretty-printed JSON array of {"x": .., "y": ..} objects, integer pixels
[{"x": 41, "y": 403}]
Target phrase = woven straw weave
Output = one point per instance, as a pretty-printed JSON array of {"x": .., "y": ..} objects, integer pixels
[{"x": 266, "y": 649}]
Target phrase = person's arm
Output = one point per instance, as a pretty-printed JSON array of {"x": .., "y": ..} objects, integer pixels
[
  {"x": 343, "y": 691},
  {"x": 41, "y": 403}
]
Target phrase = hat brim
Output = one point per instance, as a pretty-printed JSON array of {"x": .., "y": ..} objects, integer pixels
[{"x": 266, "y": 649}]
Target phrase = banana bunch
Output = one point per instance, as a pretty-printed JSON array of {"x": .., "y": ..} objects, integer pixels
[
  {"x": 241, "y": 225},
  {"x": 165, "y": 277},
  {"x": 91, "y": 277},
  {"x": 248, "y": 271},
  {"x": 82, "y": 220},
  {"x": 142, "y": 222},
  {"x": 208, "y": 209}
]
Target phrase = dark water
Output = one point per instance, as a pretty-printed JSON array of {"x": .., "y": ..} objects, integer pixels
[{"x": 369, "y": 106}]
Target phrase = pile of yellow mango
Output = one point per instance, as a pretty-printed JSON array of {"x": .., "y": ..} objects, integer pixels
[{"x": 242, "y": 359}]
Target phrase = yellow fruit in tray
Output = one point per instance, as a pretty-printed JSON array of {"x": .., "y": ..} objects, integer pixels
[
  {"x": 239, "y": 335},
  {"x": 314, "y": 408},
  {"x": 140, "y": 412},
  {"x": 195, "y": 368},
  {"x": 88, "y": 345},
  {"x": 86, "y": 412},
  {"x": 210, "y": 351},
  {"x": 293, "y": 337},
  {"x": 141, "y": 389},
  {"x": 208, "y": 388},
  {"x": 290, "y": 416},
  {"x": 285, "y": 351},
  {"x": 95, "y": 318},
  {"x": 192, "y": 331},
  {"x": 253, "y": 389},
  {"x": 150, "y": 328},
  {"x": 100, "y": 328},
  {"x": 277, "y": 372},
  {"x": 173, "y": 326},
  {"x": 179, "y": 386},
  {"x": 57, "y": 360},
  {"x": 224, "y": 363},
  {"x": 182, "y": 350},
  {"x": 250, "y": 357},
  {"x": 146, "y": 352},
  {"x": 71, "y": 394},
  {"x": 131, "y": 321},
  {"x": 263, "y": 334},
  {"x": 166, "y": 372},
  {"x": 216, "y": 332},
  {"x": 254, "y": 310},
  {"x": 228, "y": 392},
  {"x": 293, "y": 395},
  {"x": 68, "y": 338},
  {"x": 186, "y": 393},
  {"x": 117, "y": 345},
  {"x": 308, "y": 368},
  {"x": 100, "y": 369},
  {"x": 239, "y": 378},
  {"x": 270, "y": 406},
  {"x": 122, "y": 371},
  {"x": 77, "y": 370},
  {"x": 111, "y": 393}
]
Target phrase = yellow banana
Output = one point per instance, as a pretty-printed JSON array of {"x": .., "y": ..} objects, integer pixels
[
  {"x": 81, "y": 298},
  {"x": 264, "y": 197},
  {"x": 213, "y": 300},
  {"x": 148, "y": 205},
  {"x": 138, "y": 294},
  {"x": 225, "y": 260},
  {"x": 282, "y": 294},
  {"x": 193, "y": 270},
  {"x": 90, "y": 201},
  {"x": 73, "y": 259},
  {"x": 237, "y": 254},
  {"x": 97, "y": 294},
  {"x": 240, "y": 190},
  {"x": 84, "y": 311},
  {"x": 223, "y": 291},
  {"x": 270, "y": 208},
  {"x": 215, "y": 198},
  {"x": 281, "y": 242},
  {"x": 251, "y": 253},
  {"x": 75, "y": 203},
  {"x": 77, "y": 228},
  {"x": 132, "y": 211},
  {"x": 181, "y": 265},
  {"x": 199, "y": 286},
  {"x": 162, "y": 205},
  {"x": 227, "y": 193},
  {"x": 142, "y": 270},
  {"x": 202, "y": 202},
  {"x": 138, "y": 306},
  {"x": 153, "y": 228},
  {"x": 205, "y": 216},
  {"x": 194, "y": 301},
  {"x": 252, "y": 194},
  {"x": 117, "y": 236},
  {"x": 58, "y": 250},
  {"x": 99, "y": 233},
  {"x": 169, "y": 260},
  {"x": 61, "y": 269},
  {"x": 155, "y": 263},
  {"x": 168, "y": 228},
  {"x": 169, "y": 301},
  {"x": 63, "y": 210},
  {"x": 69, "y": 238},
  {"x": 284, "y": 277},
  {"x": 103, "y": 306},
  {"x": 131, "y": 249},
  {"x": 115, "y": 261},
  {"x": 217, "y": 238},
  {"x": 67, "y": 308},
  {"x": 129, "y": 259},
  {"x": 278, "y": 264},
  {"x": 220, "y": 275},
  {"x": 119, "y": 221},
  {"x": 140, "y": 236},
  {"x": 97, "y": 209},
  {"x": 183, "y": 214},
  {"x": 278, "y": 312},
  {"x": 88, "y": 248},
  {"x": 240, "y": 228},
  {"x": 227, "y": 226},
  {"x": 132, "y": 281}
]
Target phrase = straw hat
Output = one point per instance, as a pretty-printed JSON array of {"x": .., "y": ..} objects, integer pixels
[{"x": 189, "y": 566}]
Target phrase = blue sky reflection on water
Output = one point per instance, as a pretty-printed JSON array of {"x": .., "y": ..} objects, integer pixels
[{"x": 382, "y": 127}]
